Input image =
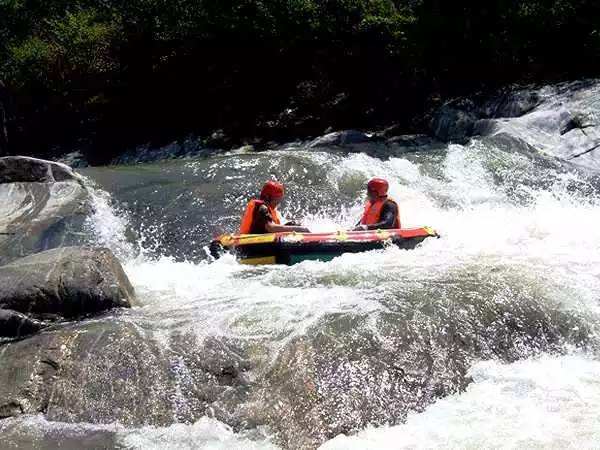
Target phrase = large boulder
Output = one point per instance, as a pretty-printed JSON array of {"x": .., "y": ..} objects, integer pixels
[
  {"x": 455, "y": 121},
  {"x": 513, "y": 102},
  {"x": 66, "y": 283},
  {"x": 43, "y": 205},
  {"x": 113, "y": 369},
  {"x": 351, "y": 370},
  {"x": 15, "y": 324},
  {"x": 100, "y": 371},
  {"x": 23, "y": 169}
]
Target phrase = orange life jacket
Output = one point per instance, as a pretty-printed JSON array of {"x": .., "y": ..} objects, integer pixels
[
  {"x": 248, "y": 218},
  {"x": 372, "y": 213}
]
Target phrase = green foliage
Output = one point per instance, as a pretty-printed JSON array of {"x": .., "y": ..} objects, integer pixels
[
  {"x": 76, "y": 45},
  {"x": 30, "y": 60},
  {"x": 243, "y": 60},
  {"x": 83, "y": 42}
]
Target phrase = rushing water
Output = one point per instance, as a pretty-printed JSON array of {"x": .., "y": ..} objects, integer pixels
[{"x": 497, "y": 321}]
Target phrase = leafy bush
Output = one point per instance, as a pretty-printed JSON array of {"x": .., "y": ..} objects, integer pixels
[{"x": 142, "y": 70}]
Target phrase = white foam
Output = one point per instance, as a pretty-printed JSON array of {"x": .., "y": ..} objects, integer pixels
[
  {"x": 205, "y": 434},
  {"x": 549, "y": 402}
]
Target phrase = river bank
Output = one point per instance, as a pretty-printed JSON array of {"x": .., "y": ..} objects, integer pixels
[{"x": 102, "y": 77}]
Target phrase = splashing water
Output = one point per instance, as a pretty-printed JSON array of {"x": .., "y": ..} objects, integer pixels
[
  {"x": 508, "y": 297},
  {"x": 550, "y": 402}
]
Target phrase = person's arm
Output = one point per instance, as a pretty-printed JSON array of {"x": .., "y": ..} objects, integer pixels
[
  {"x": 388, "y": 217},
  {"x": 273, "y": 227}
]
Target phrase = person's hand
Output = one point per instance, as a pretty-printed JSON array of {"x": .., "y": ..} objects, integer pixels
[{"x": 361, "y": 228}]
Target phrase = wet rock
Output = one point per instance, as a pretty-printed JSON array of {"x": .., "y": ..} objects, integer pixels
[
  {"x": 413, "y": 141},
  {"x": 15, "y": 324},
  {"x": 112, "y": 370},
  {"x": 23, "y": 169},
  {"x": 67, "y": 282},
  {"x": 219, "y": 139},
  {"x": 485, "y": 127},
  {"x": 513, "y": 102},
  {"x": 341, "y": 138},
  {"x": 37, "y": 212},
  {"x": 346, "y": 376},
  {"x": 35, "y": 432},
  {"x": 576, "y": 121},
  {"x": 74, "y": 159},
  {"x": 564, "y": 124},
  {"x": 212, "y": 375},
  {"x": 189, "y": 147},
  {"x": 97, "y": 372},
  {"x": 455, "y": 121},
  {"x": 353, "y": 370}
]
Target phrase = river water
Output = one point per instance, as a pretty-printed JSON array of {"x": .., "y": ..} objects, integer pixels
[{"x": 494, "y": 327}]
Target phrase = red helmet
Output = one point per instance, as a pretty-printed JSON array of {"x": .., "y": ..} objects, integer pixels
[
  {"x": 379, "y": 186},
  {"x": 272, "y": 189}
]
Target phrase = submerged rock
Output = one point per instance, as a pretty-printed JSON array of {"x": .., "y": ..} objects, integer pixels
[
  {"x": 66, "y": 282},
  {"x": 350, "y": 371}
]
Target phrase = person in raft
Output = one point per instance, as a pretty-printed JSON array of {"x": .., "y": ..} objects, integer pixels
[
  {"x": 381, "y": 212},
  {"x": 262, "y": 217}
]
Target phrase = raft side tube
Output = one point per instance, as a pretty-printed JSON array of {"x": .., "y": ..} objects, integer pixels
[{"x": 287, "y": 248}]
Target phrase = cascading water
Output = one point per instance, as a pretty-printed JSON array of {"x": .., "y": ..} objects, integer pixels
[{"x": 487, "y": 337}]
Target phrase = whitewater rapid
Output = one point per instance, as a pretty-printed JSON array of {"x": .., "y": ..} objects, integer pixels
[
  {"x": 512, "y": 229},
  {"x": 488, "y": 337}
]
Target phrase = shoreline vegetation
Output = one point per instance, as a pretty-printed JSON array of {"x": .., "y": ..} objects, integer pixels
[{"x": 102, "y": 76}]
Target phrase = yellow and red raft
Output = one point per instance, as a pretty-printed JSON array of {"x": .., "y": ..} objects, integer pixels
[{"x": 292, "y": 248}]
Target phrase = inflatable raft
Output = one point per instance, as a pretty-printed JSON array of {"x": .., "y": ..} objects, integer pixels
[{"x": 292, "y": 248}]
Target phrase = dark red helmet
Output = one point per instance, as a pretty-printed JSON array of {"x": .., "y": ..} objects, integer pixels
[
  {"x": 379, "y": 186},
  {"x": 272, "y": 189}
]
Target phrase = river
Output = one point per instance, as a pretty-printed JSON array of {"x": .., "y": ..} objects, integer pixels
[{"x": 485, "y": 338}]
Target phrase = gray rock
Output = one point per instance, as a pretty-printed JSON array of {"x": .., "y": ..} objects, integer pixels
[
  {"x": 74, "y": 159},
  {"x": 513, "y": 103},
  {"x": 96, "y": 372},
  {"x": 39, "y": 216},
  {"x": 23, "y": 169},
  {"x": 113, "y": 370},
  {"x": 15, "y": 324},
  {"x": 454, "y": 121},
  {"x": 485, "y": 127},
  {"x": 564, "y": 124},
  {"x": 413, "y": 141},
  {"x": 341, "y": 138},
  {"x": 575, "y": 120},
  {"x": 346, "y": 376},
  {"x": 67, "y": 282},
  {"x": 353, "y": 370}
]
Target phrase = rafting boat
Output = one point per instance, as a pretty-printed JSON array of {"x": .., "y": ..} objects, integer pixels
[{"x": 292, "y": 248}]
